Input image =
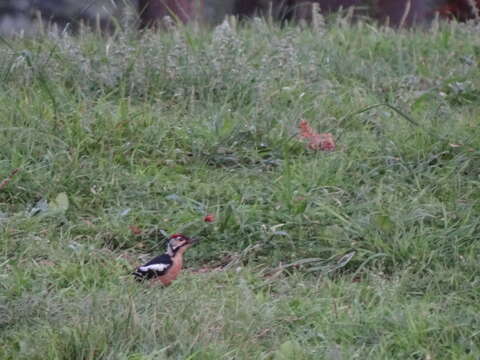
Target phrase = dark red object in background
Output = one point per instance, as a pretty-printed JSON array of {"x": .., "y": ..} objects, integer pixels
[
  {"x": 290, "y": 9},
  {"x": 151, "y": 11},
  {"x": 459, "y": 9},
  {"x": 394, "y": 12},
  {"x": 421, "y": 11}
]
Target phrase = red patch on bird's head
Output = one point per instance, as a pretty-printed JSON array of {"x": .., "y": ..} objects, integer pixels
[
  {"x": 177, "y": 235},
  {"x": 178, "y": 240}
]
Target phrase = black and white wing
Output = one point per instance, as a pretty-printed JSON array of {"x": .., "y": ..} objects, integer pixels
[{"x": 154, "y": 268}]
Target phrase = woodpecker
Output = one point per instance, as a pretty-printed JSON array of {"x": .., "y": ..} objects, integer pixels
[{"x": 166, "y": 267}]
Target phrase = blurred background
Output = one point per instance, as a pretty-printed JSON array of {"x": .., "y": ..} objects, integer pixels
[
  {"x": 17, "y": 16},
  {"x": 22, "y": 16}
]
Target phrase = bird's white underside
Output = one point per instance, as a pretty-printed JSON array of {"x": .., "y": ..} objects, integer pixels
[{"x": 155, "y": 267}]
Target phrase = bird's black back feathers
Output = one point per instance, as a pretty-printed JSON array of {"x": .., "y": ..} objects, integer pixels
[{"x": 158, "y": 266}]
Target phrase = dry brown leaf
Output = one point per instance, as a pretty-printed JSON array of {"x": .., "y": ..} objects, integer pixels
[
  {"x": 8, "y": 179},
  {"x": 135, "y": 230},
  {"x": 316, "y": 141}
]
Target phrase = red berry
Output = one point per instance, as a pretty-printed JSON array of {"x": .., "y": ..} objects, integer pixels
[{"x": 209, "y": 218}]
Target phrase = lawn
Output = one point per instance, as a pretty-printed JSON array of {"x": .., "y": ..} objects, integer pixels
[{"x": 108, "y": 142}]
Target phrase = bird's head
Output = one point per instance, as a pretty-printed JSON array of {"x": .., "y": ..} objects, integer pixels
[{"x": 177, "y": 242}]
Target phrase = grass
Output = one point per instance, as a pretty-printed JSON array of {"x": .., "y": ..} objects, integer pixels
[{"x": 156, "y": 131}]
